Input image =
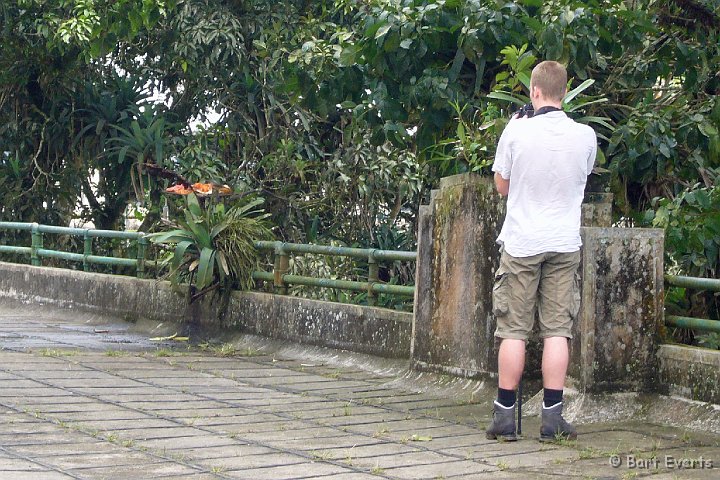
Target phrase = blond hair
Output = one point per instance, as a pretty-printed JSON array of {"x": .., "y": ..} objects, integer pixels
[{"x": 551, "y": 78}]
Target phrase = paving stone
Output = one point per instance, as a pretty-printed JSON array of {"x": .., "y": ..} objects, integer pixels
[
  {"x": 418, "y": 427},
  {"x": 265, "y": 429},
  {"x": 187, "y": 443},
  {"x": 553, "y": 459},
  {"x": 697, "y": 474},
  {"x": 322, "y": 444},
  {"x": 195, "y": 476},
  {"x": 410, "y": 459},
  {"x": 227, "y": 451},
  {"x": 40, "y": 391},
  {"x": 349, "y": 476},
  {"x": 35, "y": 475},
  {"x": 187, "y": 407},
  {"x": 287, "y": 472},
  {"x": 51, "y": 404},
  {"x": 101, "y": 413},
  {"x": 152, "y": 470},
  {"x": 624, "y": 441},
  {"x": 78, "y": 448},
  {"x": 18, "y": 464},
  {"x": 81, "y": 384},
  {"x": 516, "y": 474},
  {"x": 246, "y": 462},
  {"x": 435, "y": 470},
  {"x": 208, "y": 419},
  {"x": 301, "y": 434},
  {"x": 51, "y": 438},
  {"x": 307, "y": 406},
  {"x": 119, "y": 457},
  {"x": 375, "y": 448}
]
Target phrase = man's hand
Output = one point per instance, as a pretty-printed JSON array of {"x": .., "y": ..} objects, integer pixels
[{"x": 502, "y": 185}]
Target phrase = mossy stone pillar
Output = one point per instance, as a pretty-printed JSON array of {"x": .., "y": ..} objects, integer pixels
[
  {"x": 597, "y": 210},
  {"x": 453, "y": 327}
]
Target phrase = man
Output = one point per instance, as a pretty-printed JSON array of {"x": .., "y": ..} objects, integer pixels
[{"x": 541, "y": 165}]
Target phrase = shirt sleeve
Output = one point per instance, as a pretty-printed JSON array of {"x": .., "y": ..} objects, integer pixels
[
  {"x": 503, "y": 155},
  {"x": 593, "y": 152}
]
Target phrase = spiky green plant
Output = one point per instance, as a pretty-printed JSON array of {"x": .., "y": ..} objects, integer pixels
[{"x": 214, "y": 244}]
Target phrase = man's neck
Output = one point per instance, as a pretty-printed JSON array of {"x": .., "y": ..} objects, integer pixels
[{"x": 546, "y": 103}]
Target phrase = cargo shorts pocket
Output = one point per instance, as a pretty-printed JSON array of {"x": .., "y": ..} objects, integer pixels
[
  {"x": 500, "y": 295},
  {"x": 574, "y": 305}
]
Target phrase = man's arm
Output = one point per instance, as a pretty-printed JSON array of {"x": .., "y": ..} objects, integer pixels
[{"x": 502, "y": 185}]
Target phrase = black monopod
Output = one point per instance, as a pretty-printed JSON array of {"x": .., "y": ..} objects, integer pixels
[{"x": 519, "y": 408}]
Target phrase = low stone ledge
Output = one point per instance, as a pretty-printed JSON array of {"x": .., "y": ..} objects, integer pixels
[
  {"x": 691, "y": 372},
  {"x": 377, "y": 331},
  {"x": 357, "y": 328}
]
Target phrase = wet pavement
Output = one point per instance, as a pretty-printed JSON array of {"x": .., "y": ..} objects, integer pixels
[{"x": 88, "y": 398}]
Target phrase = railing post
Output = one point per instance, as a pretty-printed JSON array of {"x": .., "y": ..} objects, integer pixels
[
  {"x": 281, "y": 267},
  {"x": 142, "y": 247},
  {"x": 37, "y": 243},
  {"x": 373, "y": 271},
  {"x": 87, "y": 249}
]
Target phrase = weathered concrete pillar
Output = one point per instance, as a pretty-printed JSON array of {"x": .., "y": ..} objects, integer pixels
[
  {"x": 457, "y": 257},
  {"x": 597, "y": 210},
  {"x": 616, "y": 335}
]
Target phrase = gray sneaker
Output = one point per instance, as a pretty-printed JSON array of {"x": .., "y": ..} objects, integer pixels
[
  {"x": 503, "y": 424},
  {"x": 554, "y": 426}
]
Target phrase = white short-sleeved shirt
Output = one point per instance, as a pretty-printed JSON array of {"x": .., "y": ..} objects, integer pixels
[{"x": 547, "y": 160}]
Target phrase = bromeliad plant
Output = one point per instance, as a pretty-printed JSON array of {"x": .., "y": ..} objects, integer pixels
[{"x": 214, "y": 245}]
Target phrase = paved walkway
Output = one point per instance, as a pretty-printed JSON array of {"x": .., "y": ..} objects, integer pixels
[{"x": 90, "y": 400}]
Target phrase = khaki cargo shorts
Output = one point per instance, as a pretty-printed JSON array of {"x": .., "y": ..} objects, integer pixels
[{"x": 547, "y": 283}]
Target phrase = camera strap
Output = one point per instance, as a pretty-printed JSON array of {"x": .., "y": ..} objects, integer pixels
[{"x": 546, "y": 109}]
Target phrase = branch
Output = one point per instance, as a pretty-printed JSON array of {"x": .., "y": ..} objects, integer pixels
[
  {"x": 161, "y": 172},
  {"x": 204, "y": 291},
  {"x": 94, "y": 204}
]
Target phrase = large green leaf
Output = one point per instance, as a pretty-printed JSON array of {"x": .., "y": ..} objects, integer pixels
[
  {"x": 223, "y": 268},
  {"x": 578, "y": 90},
  {"x": 247, "y": 208},
  {"x": 194, "y": 206},
  {"x": 525, "y": 79},
  {"x": 180, "y": 251},
  {"x": 199, "y": 231},
  {"x": 599, "y": 120},
  {"x": 206, "y": 268},
  {"x": 580, "y": 105},
  {"x": 173, "y": 236},
  {"x": 218, "y": 228},
  {"x": 507, "y": 97}
]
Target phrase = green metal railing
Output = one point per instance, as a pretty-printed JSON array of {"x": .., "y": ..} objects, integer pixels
[
  {"x": 281, "y": 278},
  {"x": 701, "y": 324},
  {"x": 37, "y": 252},
  {"x": 281, "y": 262}
]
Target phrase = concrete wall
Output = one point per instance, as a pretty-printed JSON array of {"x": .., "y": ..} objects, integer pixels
[
  {"x": 690, "y": 372},
  {"x": 371, "y": 330}
]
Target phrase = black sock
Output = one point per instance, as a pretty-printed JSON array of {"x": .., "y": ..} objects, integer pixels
[
  {"x": 506, "y": 398},
  {"x": 552, "y": 397}
]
